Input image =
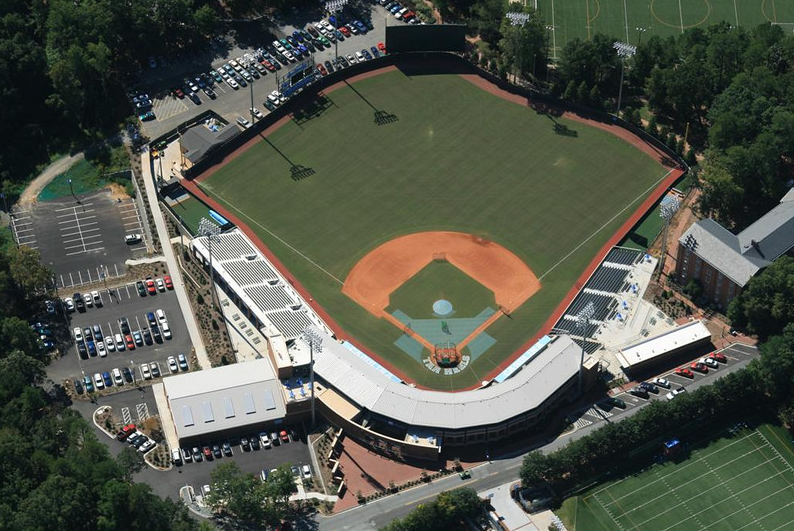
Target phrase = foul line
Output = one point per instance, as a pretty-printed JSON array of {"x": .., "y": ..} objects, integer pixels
[
  {"x": 681, "y": 16},
  {"x": 553, "y": 31},
  {"x": 602, "y": 227},
  {"x": 736, "y": 12},
  {"x": 252, "y": 220},
  {"x": 626, "y": 19}
]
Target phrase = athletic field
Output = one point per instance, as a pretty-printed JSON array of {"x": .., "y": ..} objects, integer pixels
[
  {"x": 633, "y": 20},
  {"x": 452, "y": 157},
  {"x": 742, "y": 481}
]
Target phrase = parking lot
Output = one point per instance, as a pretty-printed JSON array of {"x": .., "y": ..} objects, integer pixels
[
  {"x": 81, "y": 239},
  {"x": 118, "y": 303},
  {"x": 231, "y": 104}
]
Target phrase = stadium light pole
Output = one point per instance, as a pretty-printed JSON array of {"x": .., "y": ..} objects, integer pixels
[
  {"x": 582, "y": 320},
  {"x": 624, "y": 51},
  {"x": 211, "y": 231},
  {"x": 667, "y": 211},
  {"x": 640, "y": 31},
  {"x": 315, "y": 342},
  {"x": 333, "y": 7},
  {"x": 251, "y": 84},
  {"x": 518, "y": 20}
]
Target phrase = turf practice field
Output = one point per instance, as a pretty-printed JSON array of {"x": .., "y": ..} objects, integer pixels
[
  {"x": 452, "y": 157},
  {"x": 744, "y": 480},
  {"x": 633, "y": 20}
]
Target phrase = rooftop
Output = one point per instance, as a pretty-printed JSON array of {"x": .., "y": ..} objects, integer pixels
[
  {"x": 648, "y": 349},
  {"x": 199, "y": 140}
]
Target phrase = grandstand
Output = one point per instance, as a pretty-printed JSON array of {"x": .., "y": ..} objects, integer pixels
[{"x": 604, "y": 293}]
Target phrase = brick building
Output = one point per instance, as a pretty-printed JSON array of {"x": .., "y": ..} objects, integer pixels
[{"x": 724, "y": 262}]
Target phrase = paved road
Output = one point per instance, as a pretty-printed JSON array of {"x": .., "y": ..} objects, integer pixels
[
  {"x": 378, "y": 513},
  {"x": 231, "y": 103}
]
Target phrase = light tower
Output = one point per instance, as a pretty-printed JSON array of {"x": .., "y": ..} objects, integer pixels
[
  {"x": 624, "y": 51},
  {"x": 211, "y": 231},
  {"x": 582, "y": 321},
  {"x": 517, "y": 19},
  {"x": 315, "y": 342},
  {"x": 333, "y": 7}
]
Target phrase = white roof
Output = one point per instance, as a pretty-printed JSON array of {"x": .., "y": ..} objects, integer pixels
[
  {"x": 648, "y": 349},
  {"x": 226, "y": 397},
  {"x": 366, "y": 386},
  {"x": 258, "y": 284}
]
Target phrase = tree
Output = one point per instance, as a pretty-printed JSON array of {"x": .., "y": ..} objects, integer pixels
[
  {"x": 766, "y": 304},
  {"x": 130, "y": 461},
  {"x": 58, "y": 503},
  {"x": 27, "y": 270},
  {"x": 591, "y": 62},
  {"x": 524, "y": 47},
  {"x": 16, "y": 334}
]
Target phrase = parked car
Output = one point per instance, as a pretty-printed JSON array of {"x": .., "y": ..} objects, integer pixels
[
  {"x": 169, "y": 285},
  {"x": 675, "y": 392},
  {"x": 69, "y": 302},
  {"x": 78, "y": 387},
  {"x": 306, "y": 471},
  {"x": 129, "y": 342},
  {"x": 176, "y": 457},
  {"x": 100, "y": 348},
  {"x": 274, "y": 440},
  {"x": 150, "y": 288},
  {"x": 709, "y": 362},
  {"x": 109, "y": 344},
  {"x": 182, "y": 360},
  {"x": 141, "y": 288},
  {"x": 187, "y": 455},
  {"x": 128, "y": 376},
  {"x": 639, "y": 391},
  {"x": 245, "y": 445},
  {"x": 155, "y": 369},
  {"x": 117, "y": 378},
  {"x": 147, "y": 445},
  {"x": 264, "y": 439},
  {"x": 284, "y": 436},
  {"x": 147, "y": 374},
  {"x": 227, "y": 449},
  {"x": 683, "y": 371},
  {"x": 124, "y": 325},
  {"x": 98, "y": 381},
  {"x": 650, "y": 387},
  {"x": 172, "y": 366},
  {"x": 719, "y": 356},
  {"x": 147, "y": 336},
  {"x": 245, "y": 124},
  {"x": 160, "y": 285},
  {"x": 197, "y": 455},
  {"x": 125, "y": 432},
  {"x": 136, "y": 335},
  {"x": 699, "y": 367},
  {"x": 216, "y": 451},
  {"x": 89, "y": 384}
]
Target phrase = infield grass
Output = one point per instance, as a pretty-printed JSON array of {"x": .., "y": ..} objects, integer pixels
[
  {"x": 441, "y": 280},
  {"x": 742, "y": 481},
  {"x": 457, "y": 158},
  {"x": 620, "y": 18}
]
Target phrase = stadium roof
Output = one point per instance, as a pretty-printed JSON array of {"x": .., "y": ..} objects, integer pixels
[
  {"x": 741, "y": 256},
  {"x": 266, "y": 293},
  {"x": 671, "y": 341},
  {"x": 224, "y": 397},
  {"x": 363, "y": 384}
]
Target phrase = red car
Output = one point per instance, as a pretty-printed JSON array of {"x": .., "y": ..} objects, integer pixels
[
  {"x": 345, "y": 31},
  {"x": 176, "y": 91},
  {"x": 322, "y": 69},
  {"x": 408, "y": 15},
  {"x": 130, "y": 343},
  {"x": 718, "y": 356},
  {"x": 207, "y": 453},
  {"x": 125, "y": 432},
  {"x": 284, "y": 436},
  {"x": 382, "y": 47},
  {"x": 168, "y": 283},
  {"x": 699, "y": 367},
  {"x": 683, "y": 371},
  {"x": 150, "y": 287},
  {"x": 267, "y": 64}
]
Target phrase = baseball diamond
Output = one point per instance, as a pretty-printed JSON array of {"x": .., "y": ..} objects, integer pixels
[{"x": 466, "y": 175}]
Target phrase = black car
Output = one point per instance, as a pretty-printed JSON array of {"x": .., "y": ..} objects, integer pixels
[
  {"x": 156, "y": 333},
  {"x": 78, "y": 302},
  {"x": 318, "y": 44},
  {"x": 329, "y": 66},
  {"x": 240, "y": 80},
  {"x": 194, "y": 98},
  {"x": 639, "y": 391},
  {"x": 216, "y": 451},
  {"x": 253, "y": 72},
  {"x": 651, "y": 388},
  {"x": 81, "y": 350},
  {"x": 124, "y": 325},
  {"x": 245, "y": 444},
  {"x": 342, "y": 61},
  {"x": 78, "y": 387},
  {"x": 227, "y": 449},
  {"x": 254, "y": 440},
  {"x": 274, "y": 439},
  {"x": 139, "y": 441},
  {"x": 141, "y": 288},
  {"x": 366, "y": 54},
  {"x": 293, "y": 434},
  {"x": 127, "y": 374},
  {"x": 269, "y": 106},
  {"x": 147, "y": 336},
  {"x": 210, "y": 93}
]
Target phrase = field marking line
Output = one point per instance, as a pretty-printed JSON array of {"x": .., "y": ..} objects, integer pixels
[
  {"x": 730, "y": 490},
  {"x": 681, "y": 502},
  {"x": 606, "y": 510},
  {"x": 711, "y": 471},
  {"x": 736, "y": 12},
  {"x": 737, "y": 441},
  {"x": 602, "y": 227},
  {"x": 774, "y": 10},
  {"x": 252, "y": 220},
  {"x": 781, "y": 526},
  {"x": 681, "y": 16},
  {"x": 754, "y": 503},
  {"x": 553, "y": 32},
  {"x": 587, "y": 25},
  {"x": 626, "y": 19}
]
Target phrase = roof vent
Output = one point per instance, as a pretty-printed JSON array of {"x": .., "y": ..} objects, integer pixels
[{"x": 250, "y": 257}]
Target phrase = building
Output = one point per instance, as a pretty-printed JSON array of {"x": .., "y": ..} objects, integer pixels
[
  {"x": 230, "y": 401},
  {"x": 198, "y": 141},
  {"x": 639, "y": 357},
  {"x": 723, "y": 262}
]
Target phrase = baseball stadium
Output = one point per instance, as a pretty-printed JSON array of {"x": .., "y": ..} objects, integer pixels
[{"x": 442, "y": 241}]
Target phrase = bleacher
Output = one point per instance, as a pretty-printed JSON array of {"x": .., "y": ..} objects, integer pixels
[
  {"x": 290, "y": 324},
  {"x": 604, "y": 291},
  {"x": 269, "y": 298}
]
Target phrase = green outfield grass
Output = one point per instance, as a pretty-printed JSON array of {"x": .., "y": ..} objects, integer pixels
[
  {"x": 743, "y": 480},
  {"x": 441, "y": 280},
  {"x": 621, "y": 18},
  {"x": 456, "y": 158}
]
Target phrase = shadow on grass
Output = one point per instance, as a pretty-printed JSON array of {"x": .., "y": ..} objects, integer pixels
[{"x": 381, "y": 117}]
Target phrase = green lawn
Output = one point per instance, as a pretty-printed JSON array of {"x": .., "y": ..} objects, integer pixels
[
  {"x": 456, "y": 158},
  {"x": 441, "y": 280},
  {"x": 90, "y": 174},
  {"x": 190, "y": 211},
  {"x": 739, "y": 481},
  {"x": 621, "y": 18}
]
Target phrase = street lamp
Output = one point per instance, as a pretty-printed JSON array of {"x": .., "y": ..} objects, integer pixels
[
  {"x": 315, "y": 342},
  {"x": 640, "y": 31},
  {"x": 582, "y": 321},
  {"x": 624, "y": 50},
  {"x": 211, "y": 231},
  {"x": 517, "y": 19},
  {"x": 71, "y": 188},
  {"x": 333, "y": 7},
  {"x": 668, "y": 208}
]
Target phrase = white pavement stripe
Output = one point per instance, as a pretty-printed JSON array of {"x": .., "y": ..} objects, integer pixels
[
  {"x": 73, "y": 207},
  {"x": 83, "y": 252}
]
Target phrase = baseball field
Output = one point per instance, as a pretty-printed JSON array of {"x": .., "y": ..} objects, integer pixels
[
  {"x": 486, "y": 190},
  {"x": 632, "y": 21}
]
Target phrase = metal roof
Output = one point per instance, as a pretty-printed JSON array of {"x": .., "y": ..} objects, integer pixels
[
  {"x": 197, "y": 141},
  {"x": 226, "y": 397},
  {"x": 672, "y": 340},
  {"x": 363, "y": 384},
  {"x": 773, "y": 233},
  {"x": 258, "y": 284}
]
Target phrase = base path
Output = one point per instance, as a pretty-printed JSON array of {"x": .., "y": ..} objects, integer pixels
[{"x": 387, "y": 267}]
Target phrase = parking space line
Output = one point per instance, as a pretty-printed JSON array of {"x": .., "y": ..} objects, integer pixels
[
  {"x": 82, "y": 252},
  {"x": 72, "y": 207}
]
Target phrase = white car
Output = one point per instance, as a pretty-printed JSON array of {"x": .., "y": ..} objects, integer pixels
[
  {"x": 710, "y": 362},
  {"x": 109, "y": 344},
  {"x": 264, "y": 439},
  {"x": 117, "y": 378},
  {"x": 223, "y": 73},
  {"x": 400, "y": 12},
  {"x": 661, "y": 382},
  {"x": 100, "y": 348},
  {"x": 98, "y": 381},
  {"x": 306, "y": 472},
  {"x": 289, "y": 56},
  {"x": 351, "y": 59},
  {"x": 360, "y": 57},
  {"x": 275, "y": 98},
  {"x": 160, "y": 284},
  {"x": 147, "y": 374},
  {"x": 89, "y": 302},
  {"x": 172, "y": 366},
  {"x": 132, "y": 238},
  {"x": 232, "y": 83},
  {"x": 166, "y": 329},
  {"x": 256, "y": 112},
  {"x": 245, "y": 124},
  {"x": 120, "y": 345},
  {"x": 176, "y": 456},
  {"x": 97, "y": 298},
  {"x": 160, "y": 316},
  {"x": 148, "y": 445},
  {"x": 675, "y": 392},
  {"x": 69, "y": 302},
  {"x": 78, "y": 333}
]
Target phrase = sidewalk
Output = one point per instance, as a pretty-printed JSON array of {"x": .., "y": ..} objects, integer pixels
[
  {"x": 173, "y": 266},
  {"x": 507, "y": 510}
]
